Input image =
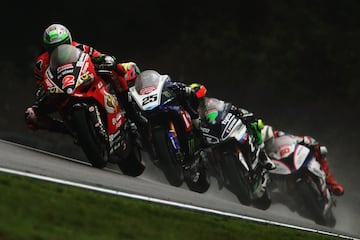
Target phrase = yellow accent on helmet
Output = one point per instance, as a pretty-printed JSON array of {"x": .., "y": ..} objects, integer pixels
[
  {"x": 260, "y": 124},
  {"x": 200, "y": 90}
]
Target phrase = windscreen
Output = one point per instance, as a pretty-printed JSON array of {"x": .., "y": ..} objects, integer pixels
[
  {"x": 147, "y": 78},
  {"x": 64, "y": 54}
]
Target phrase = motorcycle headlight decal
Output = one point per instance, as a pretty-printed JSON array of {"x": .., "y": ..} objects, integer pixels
[{"x": 86, "y": 79}]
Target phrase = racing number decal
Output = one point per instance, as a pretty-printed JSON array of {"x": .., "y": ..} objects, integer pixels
[{"x": 149, "y": 99}]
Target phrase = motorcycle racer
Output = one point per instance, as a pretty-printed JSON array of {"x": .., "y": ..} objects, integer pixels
[
  {"x": 268, "y": 133},
  {"x": 212, "y": 111},
  {"x": 38, "y": 115},
  {"x": 187, "y": 98},
  {"x": 171, "y": 106}
]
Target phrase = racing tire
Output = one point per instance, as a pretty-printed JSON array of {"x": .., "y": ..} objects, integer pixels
[
  {"x": 94, "y": 148},
  {"x": 264, "y": 202},
  {"x": 170, "y": 165},
  {"x": 202, "y": 184}
]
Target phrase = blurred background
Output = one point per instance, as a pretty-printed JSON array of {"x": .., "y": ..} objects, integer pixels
[{"x": 295, "y": 64}]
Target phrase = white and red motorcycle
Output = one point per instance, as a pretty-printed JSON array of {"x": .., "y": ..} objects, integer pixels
[{"x": 299, "y": 179}]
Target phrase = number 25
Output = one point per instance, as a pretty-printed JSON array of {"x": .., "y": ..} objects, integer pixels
[{"x": 149, "y": 99}]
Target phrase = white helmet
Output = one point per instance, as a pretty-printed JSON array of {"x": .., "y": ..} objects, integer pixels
[{"x": 55, "y": 35}]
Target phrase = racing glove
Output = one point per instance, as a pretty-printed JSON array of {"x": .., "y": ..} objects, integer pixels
[
  {"x": 252, "y": 124},
  {"x": 255, "y": 131},
  {"x": 104, "y": 63},
  {"x": 320, "y": 151},
  {"x": 129, "y": 70}
]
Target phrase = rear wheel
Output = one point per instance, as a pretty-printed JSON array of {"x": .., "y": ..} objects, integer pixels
[
  {"x": 133, "y": 164},
  {"x": 94, "y": 147},
  {"x": 168, "y": 157}
]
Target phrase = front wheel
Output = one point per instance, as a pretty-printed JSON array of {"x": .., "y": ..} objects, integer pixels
[
  {"x": 168, "y": 157},
  {"x": 314, "y": 204},
  {"x": 94, "y": 147},
  {"x": 201, "y": 182},
  {"x": 263, "y": 202}
]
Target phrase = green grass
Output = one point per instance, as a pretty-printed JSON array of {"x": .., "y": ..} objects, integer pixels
[{"x": 32, "y": 209}]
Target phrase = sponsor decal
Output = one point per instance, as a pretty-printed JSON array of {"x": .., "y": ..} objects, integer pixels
[
  {"x": 166, "y": 93},
  {"x": 205, "y": 130},
  {"x": 64, "y": 73},
  {"x": 64, "y": 67},
  {"x": 187, "y": 120},
  {"x": 110, "y": 103},
  {"x": 147, "y": 90},
  {"x": 231, "y": 125},
  {"x": 227, "y": 118},
  {"x": 48, "y": 83},
  {"x": 118, "y": 120}
]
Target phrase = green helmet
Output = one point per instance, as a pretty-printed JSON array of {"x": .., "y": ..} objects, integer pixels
[{"x": 55, "y": 35}]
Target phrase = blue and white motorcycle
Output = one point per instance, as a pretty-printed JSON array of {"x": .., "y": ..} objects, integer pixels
[{"x": 165, "y": 130}]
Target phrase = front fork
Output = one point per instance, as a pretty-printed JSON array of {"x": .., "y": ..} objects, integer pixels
[
  {"x": 172, "y": 135},
  {"x": 95, "y": 119},
  {"x": 258, "y": 177}
]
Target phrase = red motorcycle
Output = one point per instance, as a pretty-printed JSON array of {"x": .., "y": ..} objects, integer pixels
[{"x": 91, "y": 111}]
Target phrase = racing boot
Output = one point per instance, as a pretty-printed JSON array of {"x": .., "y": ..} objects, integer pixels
[
  {"x": 334, "y": 187},
  {"x": 35, "y": 121}
]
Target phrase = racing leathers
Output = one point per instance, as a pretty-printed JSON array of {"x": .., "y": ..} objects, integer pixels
[{"x": 212, "y": 111}]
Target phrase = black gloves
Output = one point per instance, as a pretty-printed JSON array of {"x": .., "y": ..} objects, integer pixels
[
  {"x": 252, "y": 124},
  {"x": 104, "y": 63}
]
